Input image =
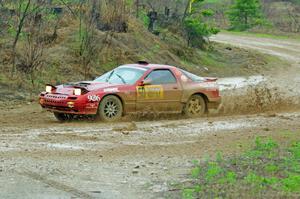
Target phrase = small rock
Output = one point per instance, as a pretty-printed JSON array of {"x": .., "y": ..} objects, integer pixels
[
  {"x": 272, "y": 115},
  {"x": 96, "y": 191},
  {"x": 135, "y": 172},
  {"x": 125, "y": 132}
]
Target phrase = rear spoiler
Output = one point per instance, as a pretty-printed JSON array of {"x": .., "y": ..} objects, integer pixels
[{"x": 211, "y": 79}]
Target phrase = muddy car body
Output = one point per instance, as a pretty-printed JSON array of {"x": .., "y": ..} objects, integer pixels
[{"x": 134, "y": 88}]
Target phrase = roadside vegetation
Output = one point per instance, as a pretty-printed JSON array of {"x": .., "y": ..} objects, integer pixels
[
  {"x": 261, "y": 16},
  {"x": 267, "y": 170}
]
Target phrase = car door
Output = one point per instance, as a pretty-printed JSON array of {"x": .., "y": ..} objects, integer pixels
[{"x": 162, "y": 93}]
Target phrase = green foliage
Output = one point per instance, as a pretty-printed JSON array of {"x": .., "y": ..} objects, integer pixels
[
  {"x": 197, "y": 31},
  {"x": 190, "y": 193},
  {"x": 144, "y": 18},
  {"x": 266, "y": 146},
  {"x": 254, "y": 173},
  {"x": 292, "y": 183},
  {"x": 213, "y": 171},
  {"x": 196, "y": 172},
  {"x": 245, "y": 14}
]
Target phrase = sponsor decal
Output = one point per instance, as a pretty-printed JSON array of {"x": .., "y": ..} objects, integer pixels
[
  {"x": 111, "y": 90},
  {"x": 91, "y": 106},
  {"x": 93, "y": 98},
  {"x": 150, "y": 92}
]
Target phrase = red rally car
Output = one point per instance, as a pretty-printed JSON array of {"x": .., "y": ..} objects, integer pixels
[{"x": 134, "y": 88}]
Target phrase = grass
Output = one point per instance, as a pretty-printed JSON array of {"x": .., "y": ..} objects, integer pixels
[
  {"x": 265, "y": 35},
  {"x": 267, "y": 170}
]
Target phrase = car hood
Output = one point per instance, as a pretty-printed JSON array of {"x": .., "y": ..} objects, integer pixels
[{"x": 86, "y": 85}]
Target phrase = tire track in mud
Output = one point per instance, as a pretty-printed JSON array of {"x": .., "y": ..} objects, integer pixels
[{"x": 54, "y": 184}]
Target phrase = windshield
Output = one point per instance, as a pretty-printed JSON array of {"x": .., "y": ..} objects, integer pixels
[
  {"x": 121, "y": 75},
  {"x": 193, "y": 77}
]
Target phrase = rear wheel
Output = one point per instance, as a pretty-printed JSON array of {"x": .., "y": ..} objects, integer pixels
[
  {"x": 195, "y": 107},
  {"x": 62, "y": 117},
  {"x": 110, "y": 109}
]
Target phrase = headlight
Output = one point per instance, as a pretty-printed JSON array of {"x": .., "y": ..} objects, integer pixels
[
  {"x": 77, "y": 91},
  {"x": 48, "y": 89}
]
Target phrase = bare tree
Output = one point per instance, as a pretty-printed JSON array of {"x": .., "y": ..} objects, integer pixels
[
  {"x": 88, "y": 38},
  {"x": 113, "y": 16},
  {"x": 24, "y": 9},
  {"x": 22, "y": 14},
  {"x": 30, "y": 57},
  {"x": 137, "y": 5}
]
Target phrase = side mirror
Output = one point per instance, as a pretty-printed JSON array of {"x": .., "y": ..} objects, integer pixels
[{"x": 145, "y": 82}]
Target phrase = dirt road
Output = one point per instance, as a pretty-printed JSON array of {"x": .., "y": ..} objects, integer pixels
[{"x": 41, "y": 158}]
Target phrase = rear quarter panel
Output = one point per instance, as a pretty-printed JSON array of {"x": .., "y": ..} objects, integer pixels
[{"x": 209, "y": 89}]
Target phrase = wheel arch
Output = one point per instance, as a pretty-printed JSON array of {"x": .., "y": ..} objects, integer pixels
[{"x": 116, "y": 95}]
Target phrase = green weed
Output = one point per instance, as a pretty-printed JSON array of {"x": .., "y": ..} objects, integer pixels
[{"x": 268, "y": 170}]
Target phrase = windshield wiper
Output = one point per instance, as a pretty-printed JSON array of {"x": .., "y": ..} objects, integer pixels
[
  {"x": 121, "y": 78},
  {"x": 111, "y": 74}
]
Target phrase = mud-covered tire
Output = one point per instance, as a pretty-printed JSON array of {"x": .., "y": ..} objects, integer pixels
[
  {"x": 62, "y": 117},
  {"x": 110, "y": 109},
  {"x": 195, "y": 107}
]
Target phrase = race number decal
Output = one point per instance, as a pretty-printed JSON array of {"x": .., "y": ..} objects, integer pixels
[
  {"x": 150, "y": 92},
  {"x": 93, "y": 98}
]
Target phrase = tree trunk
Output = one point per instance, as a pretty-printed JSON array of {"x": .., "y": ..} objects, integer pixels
[
  {"x": 137, "y": 8},
  {"x": 19, "y": 30},
  {"x": 185, "y": 14}
]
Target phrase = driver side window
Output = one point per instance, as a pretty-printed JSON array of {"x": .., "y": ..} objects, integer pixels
[{"x": 161, "y": 76}]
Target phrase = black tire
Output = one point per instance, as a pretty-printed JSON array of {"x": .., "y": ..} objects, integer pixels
[
  {"x": 110, "y": 109},
  {"x": 195, "y": 107},
  {"x": 62, "y": 117}
]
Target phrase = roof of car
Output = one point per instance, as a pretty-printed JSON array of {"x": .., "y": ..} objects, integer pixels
[{"x": 150, "y": 66}]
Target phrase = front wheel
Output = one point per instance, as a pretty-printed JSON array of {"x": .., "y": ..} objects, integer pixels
[
  {"x": 195, "y": 107},
  {"x": 62, "y": 117},
  {"x": 110, "y": 109}
]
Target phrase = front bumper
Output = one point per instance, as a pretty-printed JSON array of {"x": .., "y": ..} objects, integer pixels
[{"x": 67, "y": 104}]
